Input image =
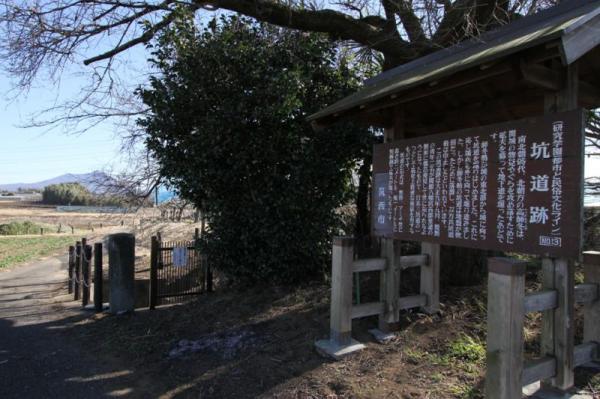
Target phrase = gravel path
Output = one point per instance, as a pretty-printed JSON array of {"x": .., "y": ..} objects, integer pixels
[{"x": 36, "y": 358}]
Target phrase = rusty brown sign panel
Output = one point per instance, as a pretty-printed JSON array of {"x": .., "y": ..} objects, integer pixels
[{"x": 515, "y": 186}]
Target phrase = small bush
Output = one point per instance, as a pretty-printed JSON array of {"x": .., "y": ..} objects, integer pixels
[
  {"x": 467, "y": 348},
  {"x": 19, "y": 228}
]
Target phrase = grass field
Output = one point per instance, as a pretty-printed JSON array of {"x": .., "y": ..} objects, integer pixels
[{"x": 14, "y": 250}]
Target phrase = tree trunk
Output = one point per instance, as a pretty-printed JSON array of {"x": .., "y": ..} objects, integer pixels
[
  {"x": 464, "y": 266},
  {"x": 362, "y": 229}
]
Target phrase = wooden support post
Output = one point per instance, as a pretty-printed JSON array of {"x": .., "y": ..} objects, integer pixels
[
  {"x": 591, "y": 310},
  {"x": 430, "y": 277},
  {"x": 557, "y": 336},
  {"x": 506, "y": 293},
  {"x": 76, "y": 286},
  {"x": 71, "y": 267},
  {"x": 153, "y": 299},
  {"x": 85, "y": 275},
  {"x": 341, "y": 290},
  {"x": 98, "y": 278},
  {"x": 204, "y": 266},
  {"x": 389, "y": 290},
  {"x": 547, "y": 328},
  {"x": 564, "y": 323},
  {"x": 340, "y": 342}
]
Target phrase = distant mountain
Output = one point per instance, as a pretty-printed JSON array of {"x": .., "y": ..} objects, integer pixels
[{"x": 89, "y": 180}]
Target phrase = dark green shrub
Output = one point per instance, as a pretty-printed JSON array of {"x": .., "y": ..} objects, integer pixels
[
  {"x": 66, "y": 194},
  {"x": 228, "y": 128}
]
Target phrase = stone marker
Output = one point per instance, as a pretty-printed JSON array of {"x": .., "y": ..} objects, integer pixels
[{"x": 121, "y": 270}]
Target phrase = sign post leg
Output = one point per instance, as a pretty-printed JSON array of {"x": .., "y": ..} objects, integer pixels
[
  {"x": 340, "y": 342},
  {"x": 430, "y": 277},
  {"x": 591, "y": 310},
  {"x": 506, "y": 315},
  {"x": 389, "y": 290}
]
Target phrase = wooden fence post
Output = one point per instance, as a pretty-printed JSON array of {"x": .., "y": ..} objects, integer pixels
[
  {"x": 98, "y": 277},
  {"x": 389, "y": 290},
  {"x": 506, "y": 314},
  {"x": 340, "y": 342},
  {"x": 85, "y": 274},
  {"x": 430, "y": 277},
  {"x": 591, "y": 310},
  {"x": 153, "y": 272},
  {"x": 71, "y": 267},
  {"x": 76, "y": 286}
]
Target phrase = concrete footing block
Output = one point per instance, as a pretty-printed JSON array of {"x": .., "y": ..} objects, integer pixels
[
  {"x": 381, "y": 336},
  {"x": 329, "y": 348},
  {"x": 92, "y": 308}
]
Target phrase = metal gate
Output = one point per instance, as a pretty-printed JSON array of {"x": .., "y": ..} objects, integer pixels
[{"x": 177, "y": 271}]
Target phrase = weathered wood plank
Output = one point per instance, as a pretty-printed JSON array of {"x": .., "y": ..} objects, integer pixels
[
  {"x": 564, "y": 321},
  {"x": 341, "y": 290},
  {"x": 547, "y": 327},
  {"x": 585, "y": 353},
  {"x": 591, "y": 310},
  {"x": 540, "y": 301},
  {"x": 368, "y": 265},
  {"x": 587, "y": 292},
  {"x": 408, "y": 261},
  {"x": 413, "y": 301},
  {"x": 367, "y": 309},
  {"x": 506, "y": 292},
  {"x": 389, "y": 290},
  {"x": 539, "y": 369},
  {"x": 430, "y": 276}
]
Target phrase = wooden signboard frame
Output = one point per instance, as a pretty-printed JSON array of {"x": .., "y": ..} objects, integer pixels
[{"x": 514, "y": 187}]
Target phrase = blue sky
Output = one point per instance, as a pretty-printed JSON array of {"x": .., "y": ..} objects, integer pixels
[{"x": 33, "y": 154}]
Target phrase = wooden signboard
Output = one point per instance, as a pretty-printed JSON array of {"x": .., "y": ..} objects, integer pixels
[{"x": 515, "y": 186}]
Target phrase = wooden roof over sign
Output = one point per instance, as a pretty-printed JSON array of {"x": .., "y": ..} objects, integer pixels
[{"x": 503, "y": 74}]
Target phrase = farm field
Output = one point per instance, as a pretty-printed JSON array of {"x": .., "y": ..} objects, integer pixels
[
  {"x": 143, "y": 222},
  {"x": 15, "y": 250}
]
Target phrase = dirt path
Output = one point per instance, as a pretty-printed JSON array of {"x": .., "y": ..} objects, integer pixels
[{"x": 36, "y": 358}]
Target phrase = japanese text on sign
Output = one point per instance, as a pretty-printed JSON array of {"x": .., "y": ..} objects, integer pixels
[{"x": 507, "y": 187}]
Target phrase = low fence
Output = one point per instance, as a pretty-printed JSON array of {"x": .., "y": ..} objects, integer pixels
[
  {"x": 390, "y": 265},
  {"x": 507, "y": 371},
  {"x": 177, "y": 270},
  {"x": 81, "y": 257}
]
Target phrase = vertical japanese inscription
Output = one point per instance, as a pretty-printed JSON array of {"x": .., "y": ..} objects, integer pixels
[{"x": 495, "y": 187}]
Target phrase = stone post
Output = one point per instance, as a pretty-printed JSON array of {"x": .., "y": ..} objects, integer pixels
[{"x": 121, "y": 270}]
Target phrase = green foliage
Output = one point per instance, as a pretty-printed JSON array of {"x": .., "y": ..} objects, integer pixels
[
  {"x": 19, "y": 228},
  {"x": 66, "y": 194},
  {"x": 228, "y": 128},
  {"x": 467, "y": 348},
  {"x": 76, "y": 194}
]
